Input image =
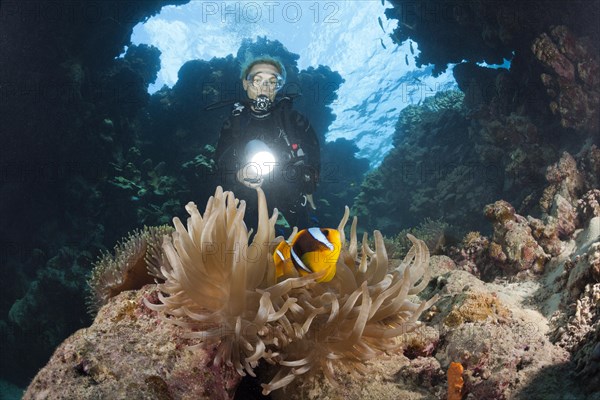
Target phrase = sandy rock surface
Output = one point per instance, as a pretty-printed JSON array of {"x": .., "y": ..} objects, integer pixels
[{"x": 128, "y": 353}]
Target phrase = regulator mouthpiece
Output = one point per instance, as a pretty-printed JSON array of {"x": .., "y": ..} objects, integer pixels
[{"x": 262, "y": 103}]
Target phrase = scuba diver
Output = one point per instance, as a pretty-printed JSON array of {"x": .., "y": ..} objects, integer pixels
[{"x": 265, "y": 143}]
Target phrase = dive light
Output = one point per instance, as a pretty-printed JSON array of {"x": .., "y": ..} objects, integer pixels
[{"x": 259, "y": 155}]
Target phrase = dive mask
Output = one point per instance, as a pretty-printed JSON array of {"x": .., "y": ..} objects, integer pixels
[{"x": 273, "y": 82}]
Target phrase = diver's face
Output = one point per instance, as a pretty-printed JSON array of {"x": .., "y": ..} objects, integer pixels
[{"x": 262, "y": 79}]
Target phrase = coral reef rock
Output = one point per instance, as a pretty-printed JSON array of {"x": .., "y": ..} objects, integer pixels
[
  {"x": 129, "y": 354},
  {"x": 500, "y": 332},
  {"x": 513, "y": 248},
  {"x": 589, "y": 205},
  {"x": 564, "y": 178},
  {"x": 571, "y": 80}
]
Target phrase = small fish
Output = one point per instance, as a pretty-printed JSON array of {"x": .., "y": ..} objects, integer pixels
[
  {"x": 410, "y": 27},
  {"x": 406, "y": 59},
  {"x": 412, "y": 50},
  {"x": 311, "y": 250},
  {"x": 380, "y": 24},
  {"x": 382, "y": 45}
]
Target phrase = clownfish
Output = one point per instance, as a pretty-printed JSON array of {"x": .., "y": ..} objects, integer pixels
[{"x": 311, "y": 250}]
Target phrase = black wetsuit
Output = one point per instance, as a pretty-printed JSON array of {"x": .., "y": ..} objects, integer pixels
[{"x": 296, "y": 148}]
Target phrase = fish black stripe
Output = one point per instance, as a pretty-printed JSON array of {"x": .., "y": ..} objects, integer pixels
[{"x": 298, "y": 262}]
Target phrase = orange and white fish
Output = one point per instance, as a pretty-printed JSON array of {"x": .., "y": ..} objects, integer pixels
[{"x": 311, "y": 250}]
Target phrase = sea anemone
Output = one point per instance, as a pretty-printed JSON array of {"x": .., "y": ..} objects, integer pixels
[
  {"x": 135, "y": 260},
  {"x": 223, "y": 288}
]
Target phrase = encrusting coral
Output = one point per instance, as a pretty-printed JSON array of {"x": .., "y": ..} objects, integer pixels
[
  {"x": 223, "y": 288},
  {"x": 455, "y": 381}
]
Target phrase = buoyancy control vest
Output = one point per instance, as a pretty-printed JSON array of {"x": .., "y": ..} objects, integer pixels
[
  {"x": 286, "y": 132},
  {"x": 277, "y": 131}
]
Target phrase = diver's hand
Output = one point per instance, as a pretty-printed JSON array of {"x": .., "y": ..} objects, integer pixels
[{"x": 250, "y": 178}]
